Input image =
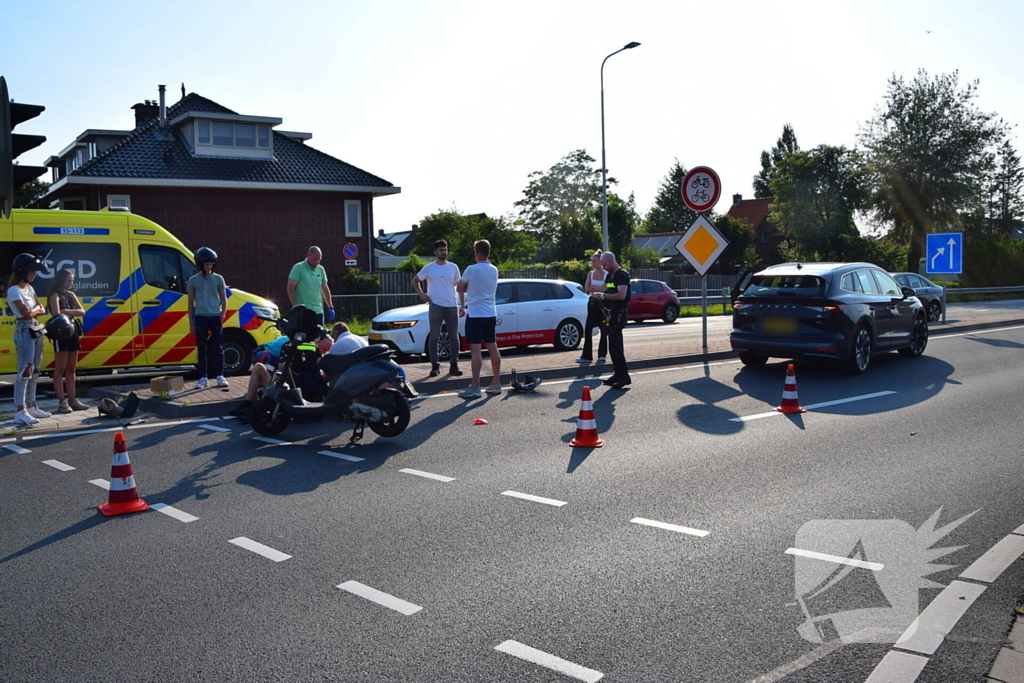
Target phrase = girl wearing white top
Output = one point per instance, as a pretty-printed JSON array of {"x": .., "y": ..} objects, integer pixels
[
  {"x": 28, "y": 336},
  {"x": 596, "y": 279}
]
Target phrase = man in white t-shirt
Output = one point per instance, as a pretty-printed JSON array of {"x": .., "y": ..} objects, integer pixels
[
  {"x": 440, "y": 276},
  {"x": 476, "y": 301},
  {"x": 345, "y": 341}
]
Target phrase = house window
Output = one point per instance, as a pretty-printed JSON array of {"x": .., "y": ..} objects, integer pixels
[
  {"x": 203, "y": 132},
  {"x": 73, "y": 204},
  {"x": 263, "y": 135},
  {"x": 353, "y": 221},
  {"x": 227, "y": 134},
  {"x": 245, "y": 135},
  {"x": 119, "y": 200},
  {"x": 223, "y": 134},
  {"x": 764, "y": 237}
]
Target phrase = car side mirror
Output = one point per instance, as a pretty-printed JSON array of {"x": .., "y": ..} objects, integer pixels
[{"x": 908, "y": 292}]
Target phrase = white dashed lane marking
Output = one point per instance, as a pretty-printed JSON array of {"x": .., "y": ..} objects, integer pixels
[
  {"x": 939, "y": 617},
  {"x": 549, "y": 661},
  {"x": 814, "y": 406},
  {"x": 173, "y": 512},
  {"x": 380, "y": 597},
  {"x": 341, "y": 456},
  {"x": 898, "y": 667},
  {"x": 428, "y": 475},
  {"x": 989, "y": 566},
  {"x": 102, "y": 483},
  {"x": 58, "y": 465},
  {"x": 215, "y": 428},
  {"x": 260, "y": 549},
  {"x": 669, "y": 527},
  {"x": 17, "y": 449},
  {"x": 266, "y": 439},
  {"x": 535, "y": 499},
  {"x": 838, "y": 559}
]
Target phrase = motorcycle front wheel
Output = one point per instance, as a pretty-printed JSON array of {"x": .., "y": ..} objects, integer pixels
[
  {"x": 263, "y": 419},
  {"x": 398, "y": 419}
]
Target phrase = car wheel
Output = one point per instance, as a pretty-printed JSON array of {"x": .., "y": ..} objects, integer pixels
[
  {"x": 934, "y": 312},
  {"x": 918, "y": 339},
  {"x": 670, "y": 313},
  {"x": 753, "y": 359},
  {"x": 263, "y": 419},
  {"x": 238, "y": 348},
  {"x": 444, "y": 346},
  {"x": 860, "y": 351},
  {"x": 568, "y": 335}
]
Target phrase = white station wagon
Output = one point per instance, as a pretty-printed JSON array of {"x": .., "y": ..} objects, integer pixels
[{"x": 529, "y": 312}]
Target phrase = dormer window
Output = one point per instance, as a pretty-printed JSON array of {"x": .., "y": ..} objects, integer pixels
[{"x": 228, "y": 134}]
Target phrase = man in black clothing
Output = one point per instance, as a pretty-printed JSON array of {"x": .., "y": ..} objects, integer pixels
[{"x": 616, "y": 302}]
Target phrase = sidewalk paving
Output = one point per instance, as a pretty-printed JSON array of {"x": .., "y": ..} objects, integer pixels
[{"x": 1009, "y": 664}]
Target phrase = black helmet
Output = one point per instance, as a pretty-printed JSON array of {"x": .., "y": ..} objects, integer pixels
[
  {"x": 203, "y": 255},
  {"x": 528, "y": 382},
  {"x": 28, "y": 263},
  {"x": 60, "y": 328}
]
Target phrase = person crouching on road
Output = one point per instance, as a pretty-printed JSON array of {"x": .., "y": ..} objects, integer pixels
[
  {"x": 207, "y": 310},
  {"x": 616, "y": 302},
  {"x": 478, "y": 286},
  {"x": 65, "y": 352},
  {"x": 441, "y": 276},
  {"x": 28, "y": 336},
  {"x": 345, "y": 341}
]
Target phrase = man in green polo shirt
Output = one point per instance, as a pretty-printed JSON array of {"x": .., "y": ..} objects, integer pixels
[{"x": 307, "y": 285}]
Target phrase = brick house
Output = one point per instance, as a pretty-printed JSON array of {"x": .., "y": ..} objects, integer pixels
[
  {"x": 258, "y": 196},
  {"x": 754, "y": 212}
]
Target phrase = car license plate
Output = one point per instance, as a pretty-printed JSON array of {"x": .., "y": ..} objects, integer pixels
[
  {"x": 778, "y": 325},
  {"x": 375, "y": 336}
]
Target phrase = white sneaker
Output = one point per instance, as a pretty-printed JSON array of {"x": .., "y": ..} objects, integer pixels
[
  {"x": 23, "y": 418},
  {"x": 63, "y": 407},
  {"x": 221, "y": 382},
  {"x": 35, "y": 412},
  {"x": 470, "y": 392},
  {"x": 203, "y": 383},
  {"x": 493, "y": 389}
]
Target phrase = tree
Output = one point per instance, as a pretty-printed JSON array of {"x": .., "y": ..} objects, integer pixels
[
  {"x": 816, "y": 195},
  {"x": 29, "y": 192},
  {"x": 785, "y": 146},
  {"x": 565, "y": 192},
  {"x": 462, "y": 231},
  {"x": 1009, "y": 183},
  {"x": 928, "y": 147},
  {"x": 741, "y": 249},
  {"x": 669, "y": 213}
]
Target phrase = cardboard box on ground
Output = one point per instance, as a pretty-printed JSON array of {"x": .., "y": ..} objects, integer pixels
[{"x": 166, "y": 385}]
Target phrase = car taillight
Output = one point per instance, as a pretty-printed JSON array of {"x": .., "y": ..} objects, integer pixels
[
  {"x": 832, "y": 308},
  {"x": 740, "y": 305}
]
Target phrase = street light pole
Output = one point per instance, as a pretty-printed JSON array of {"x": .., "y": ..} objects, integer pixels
[{"x": 604, "y": 165}]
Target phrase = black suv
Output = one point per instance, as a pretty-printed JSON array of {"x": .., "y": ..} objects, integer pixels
[{"x": 845, "y": 311}]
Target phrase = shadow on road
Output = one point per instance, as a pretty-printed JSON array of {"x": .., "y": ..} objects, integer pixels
[{"x": 70, "y": 531}]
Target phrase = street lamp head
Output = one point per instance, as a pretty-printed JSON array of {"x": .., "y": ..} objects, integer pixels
[{"x": 630, "y": 46}]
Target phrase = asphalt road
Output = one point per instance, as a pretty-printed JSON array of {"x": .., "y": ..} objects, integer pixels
[{"x": 148, "y": 597}]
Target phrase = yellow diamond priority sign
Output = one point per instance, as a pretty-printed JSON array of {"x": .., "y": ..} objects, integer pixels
[{"x": 701, "y": 245}]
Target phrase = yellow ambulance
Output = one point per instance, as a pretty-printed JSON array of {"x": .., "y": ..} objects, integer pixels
[{"x": 130, "y": 276}]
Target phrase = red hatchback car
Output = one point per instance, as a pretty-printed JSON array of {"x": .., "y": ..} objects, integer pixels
[{"x": 652, "y": 299}]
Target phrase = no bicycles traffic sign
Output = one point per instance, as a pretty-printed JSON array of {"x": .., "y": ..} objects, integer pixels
[{"x": 701, "y": 189}]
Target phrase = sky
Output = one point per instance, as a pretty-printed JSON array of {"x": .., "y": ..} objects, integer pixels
[{"x": 457, "y": 101}]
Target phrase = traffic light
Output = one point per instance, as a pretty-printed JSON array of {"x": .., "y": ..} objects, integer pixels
[{"x": 13, "y": 176}]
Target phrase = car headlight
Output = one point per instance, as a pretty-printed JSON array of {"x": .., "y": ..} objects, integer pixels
[
  {"x": 266, "y": 311},
  {"x": 400, "y": 325}
]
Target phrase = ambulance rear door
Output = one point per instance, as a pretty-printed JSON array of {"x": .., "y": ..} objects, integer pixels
[{"x": 163, "y": 271}]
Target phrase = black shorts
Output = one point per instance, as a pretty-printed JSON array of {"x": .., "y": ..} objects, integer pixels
[
  {"x": 480, "y": 330},
  {"x": 73, "y": 344}
]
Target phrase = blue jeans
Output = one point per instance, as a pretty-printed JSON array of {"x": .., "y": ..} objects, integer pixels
[
  {"x": 30, "y": 352},
  {"x": 209, "y": 345}
]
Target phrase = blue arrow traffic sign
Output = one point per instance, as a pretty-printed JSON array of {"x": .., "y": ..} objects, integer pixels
[{"x": 944, "y": 253}]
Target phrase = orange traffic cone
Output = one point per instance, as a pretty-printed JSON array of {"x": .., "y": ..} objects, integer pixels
[
  {"x": 586, "y": 426},
  {"x": 790, "y": 402},
  {"x": 124, "y": 498}
]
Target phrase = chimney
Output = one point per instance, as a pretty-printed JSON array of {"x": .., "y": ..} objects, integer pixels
[
  {"x": 145, "y": 111},
  {"x": 415, "y": 228},
  {"x": 380, "y": 233},
  {"x": 163, "y": 105},
  {"x": 736, "y": 199}
]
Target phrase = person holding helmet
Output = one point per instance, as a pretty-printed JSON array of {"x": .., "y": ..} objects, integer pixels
[
  {"x": 28, "y": 336},
  {"x": 207, "y": 310},
  {"x": 65, "y": 330}
]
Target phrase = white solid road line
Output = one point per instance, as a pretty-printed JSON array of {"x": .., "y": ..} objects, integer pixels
[
  {"x": 939, "y": 617},
  {"x": 989, "y": 566},
  {"x": 539, "y": 657},
  {"x": 670, "y": 527},
  {"x": 173, "y": 512},
  {"x": 102, "y": 483},
  {"x": 57, "y": 464},
  {"x": 897, "y": 667},
  {"x": 968, "y": 334},
  {"x": 341, "y": 456},
  {"x": 535, "y": 499},
  {"x": 79, "y": 432},
  {"x": 814, "y": 406},
  {"x": 838, "y": 559},
  {"x": 438, "y": 477},
  {"x": 260, "y": 549},
  {"x": 215, "y": 428},
  {"x": 17, "y": 449},
  {"x": 266, "y": 439},
  {"x": 380, "y": 597}
]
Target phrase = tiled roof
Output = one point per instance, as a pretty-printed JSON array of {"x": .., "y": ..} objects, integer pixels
[
  {"x": 751, "y": 211},
  {"x": 149, "y": 153},
  {"x": 658, "y": 241}
]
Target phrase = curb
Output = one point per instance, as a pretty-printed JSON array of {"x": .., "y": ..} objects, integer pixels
[{"x": 171, "y": 409}]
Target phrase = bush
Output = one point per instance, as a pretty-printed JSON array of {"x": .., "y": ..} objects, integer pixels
[
  {"x": 355, "y": 282},
  {"x": 413, "y": 264},
  {"x": 993, "y": 263}
]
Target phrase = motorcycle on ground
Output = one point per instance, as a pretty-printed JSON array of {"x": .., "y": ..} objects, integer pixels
[{"x": 365, "y": 387}]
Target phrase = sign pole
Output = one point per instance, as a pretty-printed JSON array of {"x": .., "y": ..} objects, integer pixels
[
  {"x": 944, "y": 304},
  {"x": 704, "y": 309}
]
